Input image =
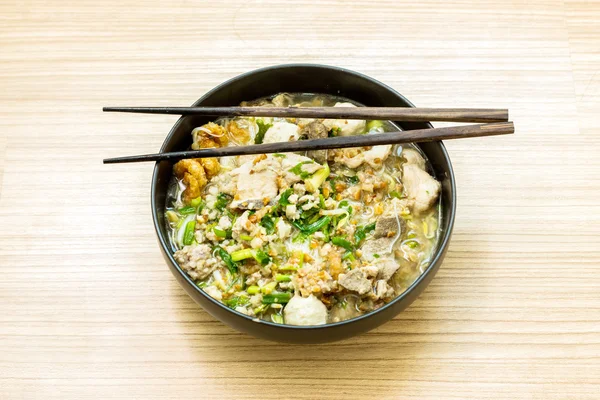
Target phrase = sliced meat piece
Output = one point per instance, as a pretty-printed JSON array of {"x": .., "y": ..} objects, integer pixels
[
  {"x": 374, "y": 248},
  {"x": 347, "y": 127},
  {"x": 256, "y": 186},
  {"x": 387, "y": 267},
  {"x": 420, "y": 187},
  {"x": 383, "y": 290},
  {"x": 193, "y": 260},
  {"x": 413, "y": 157},
  {"x": 388, "y": 226},
  {"x": 305, "y": 311},
  {"x": 356, "y": 281},
  {"x": 281, "y": 132}
]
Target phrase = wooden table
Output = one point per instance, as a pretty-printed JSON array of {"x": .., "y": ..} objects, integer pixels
[{"x": 88, "y": 308}]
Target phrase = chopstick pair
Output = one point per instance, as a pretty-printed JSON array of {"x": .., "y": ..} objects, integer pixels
[{"x": 499, "y": 117}]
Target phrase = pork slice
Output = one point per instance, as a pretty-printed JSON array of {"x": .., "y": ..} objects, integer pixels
[
  {"x": 387, "y": 267},
  {"x": 420, "y": 187},
  {"x": 376, "y": 248},
  {"x": 356, "y": 281},
  {"x": 255, "y": 189},
  {"x": 388, "y": 226}
]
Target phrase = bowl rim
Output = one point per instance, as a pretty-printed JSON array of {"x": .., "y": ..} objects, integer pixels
[{"x": 442, "y": 245}]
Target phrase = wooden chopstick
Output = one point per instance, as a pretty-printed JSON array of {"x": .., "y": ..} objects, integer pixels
[
  {"x": 418, "y": 135},
  {"x": 383, "y": 113}
]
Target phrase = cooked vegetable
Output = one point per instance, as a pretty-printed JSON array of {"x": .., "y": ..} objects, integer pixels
[
  {"x": 314, "y": 183},
  {"x": 280, "y": 298},
  {"x": 340, "y": 241},
  {"x": 231, "y": 265},
  {"x": 188, "y": 236}
]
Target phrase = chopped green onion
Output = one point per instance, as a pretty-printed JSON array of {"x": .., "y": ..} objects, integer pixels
[
  {"x": 262, "y": 129},
  {"x": 188, "y": 235},
  {"x": 322, "y": 201},
  {"x": 187, "y": 210},
  {"x": 236, "y": 301},
  {"x": 412, "y": 244},
  {"x": 246, "y": 237},
  {"x": 220, "y": 232},
  {"x": 348, "y": 256},
  {"x": 278, "y": 298},
  {"x": 260, "y": 309},
  {"x": 314, "y": 183},
  {"x": 317, "y": 226},
  {"x": 283, "y": 278},
  {"x": 279, "y": 155},
  {"x": 253, "y": 289},
  {"x": 242, "y": 255},
  {"x": 172, "y": 216},
  {"x": 259, "y": 255},
  {"x": 197, "y": 202},
  {"x": 201, "y": 284},
  {"x": 268, "y": 288},
  {"x": 340, "y": 241},
  {"x": 290, "y": 267},
  {"x": 376, "y": 255},
  {"x": 374, "y": 124},
  {"x": 277, "y": 318}
]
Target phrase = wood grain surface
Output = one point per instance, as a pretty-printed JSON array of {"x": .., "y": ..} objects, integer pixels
[{"x": 88, "y": 308}]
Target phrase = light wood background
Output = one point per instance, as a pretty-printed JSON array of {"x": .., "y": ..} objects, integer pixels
[{"x": 88, "y": 308}]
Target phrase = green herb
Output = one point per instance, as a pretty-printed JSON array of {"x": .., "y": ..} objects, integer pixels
[
  {"x": 222, "y": 200},
  {"x": 283, "y": 199},
  {"x": 277, "y": 318},
  {"x": 376, "y": 255},
  {"x": 361, "y": 232},
  {"x": 188, "y": 234},
  {"x": 231, "y": 265},
  {"x": 262, "y": 257},
  {"x": 297, "y": 169},
  {"x": 283, "y": 278},
  {"x": 335, "y": 131},
  {"x": 268, "y": 288},
  {"x": 268, "y": 223},
  {"x": 246, "y": 237},
  {"x": 314, "y": 227},
  {"x": 201, "y": 284},
  {"x": 348, "y": 256},
  {"x": 278, "y": 298},
  {"x": 262, "y": 129},
  {"x": 346, "y": 205},
  {"x": 340, "y": 241},
  {"x": 353, "y": 179},
  {"x": 279, "y": 155}
]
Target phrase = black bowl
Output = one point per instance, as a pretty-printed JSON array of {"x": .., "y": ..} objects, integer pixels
[{"x": 307, "y": 78}]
